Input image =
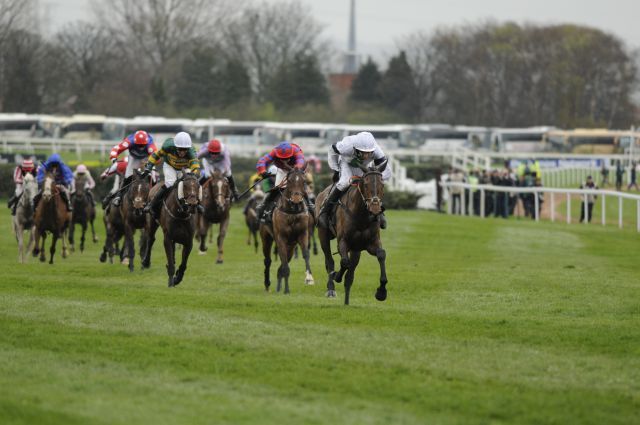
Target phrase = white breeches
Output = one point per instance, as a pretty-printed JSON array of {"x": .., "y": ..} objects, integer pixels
[{"x": 132, "y": 165}]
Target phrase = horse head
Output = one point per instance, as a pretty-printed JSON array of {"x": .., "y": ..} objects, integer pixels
[
  {"x": 371, "y": 188},
  {"x": 295, "y": 190},
  {"x": 30, "y": 187},
  {"x": 49, "y": 187},
  {"x": 218, "y": 189},
  {"x": 138, "y": 193},
  {"x": 189, "y": 192}
]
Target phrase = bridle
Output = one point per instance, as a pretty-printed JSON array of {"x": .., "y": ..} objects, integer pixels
[{"x": 373, "y": 200}]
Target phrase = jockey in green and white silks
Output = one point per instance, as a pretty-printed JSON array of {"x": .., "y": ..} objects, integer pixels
[
  {"x": 178, "y": 154},
  {"x": 347, "y": 157}
]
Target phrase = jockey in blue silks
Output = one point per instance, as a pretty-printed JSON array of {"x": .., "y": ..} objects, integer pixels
[{"x": 63, "y": 177}]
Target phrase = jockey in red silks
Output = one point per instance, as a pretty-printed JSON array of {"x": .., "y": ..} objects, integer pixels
[
  {"x": 215, "y": 157},
  {"x": 285, "y": 156},
  {"x": 118, "y": 168},
  {"x": 21, "y": 170},
  {"x": 140, "y": 145}
]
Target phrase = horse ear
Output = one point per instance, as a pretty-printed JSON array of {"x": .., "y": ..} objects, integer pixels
[{"x": 382, "y": 166}]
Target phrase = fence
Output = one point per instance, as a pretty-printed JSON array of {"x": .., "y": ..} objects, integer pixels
[{"x": 537, "y": 191}]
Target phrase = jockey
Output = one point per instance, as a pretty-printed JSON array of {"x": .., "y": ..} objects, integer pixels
[
  {"x": 21, "y": 170},
  {"x": 215, "y": 157},
  {"x": 140, "y": 145},
  {"x": 178, "y": 154},
  {"x": 346, "y": 157},
  {"x": 63, "y": 176},
  {"x": 284, "y": 156},
  {"x": 83, "y": 173},
  {"x": 118, "y": 168}
]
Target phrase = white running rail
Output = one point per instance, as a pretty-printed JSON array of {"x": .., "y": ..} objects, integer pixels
[{"x": 619, "y": 196}]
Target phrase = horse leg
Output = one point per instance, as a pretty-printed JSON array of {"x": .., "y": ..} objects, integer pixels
[
  {"x": 329, "y": 265},
  {"x": 84, "y": 231},
  {"x": 381, "y": 255},
  {"x": 169, "y": 249},
  {"x": 223, "y": 232},
  {"x": 304, "y": 245},
  {"x": 255, "y": 240},
  {"x": 203, "y": 229},
  {"x": 72, "y": 229},
  {"x": 266, "y": 252},
  {"x": 344, "y": 259},
  {"x": 18, "y": 230},
  {"x": 186, "y": 250},
  {"x": 130, "y": 244},
  {"x": 284, "y": 271},
  {"x": 313, "y": 238},
  {"x": 42, "y": 256},
  {"x": 354, "y": 259},
  {"x": 93, "y": 231},
  {"x": 52, "y": 250},
  {"x": 151, "y": 238},
  {"x": 30, "y": 243}
]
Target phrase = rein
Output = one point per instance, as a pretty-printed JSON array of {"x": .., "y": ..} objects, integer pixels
[{"x": 366, "y": 201}]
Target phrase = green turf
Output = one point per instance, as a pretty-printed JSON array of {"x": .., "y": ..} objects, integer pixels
[{"x": 487, "y": 321}]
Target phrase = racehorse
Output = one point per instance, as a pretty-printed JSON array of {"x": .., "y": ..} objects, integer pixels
[
  {"x": 290, "y": 227},
  {"x": 356, "y": 229},
  {"x": 114, "y": 227},
  {"x": 133, "y": 201},
  {"x": 251, "y": 218},
  {"x": 178, "y": 221},
  {"x": 51, "y": 216},
  {"x": 83, "y": 213},
  {"x": 216, "y": 200},
  {"x": 23, "y": 220}
]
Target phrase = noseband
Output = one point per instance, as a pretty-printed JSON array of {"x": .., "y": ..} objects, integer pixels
[{"x": 375, "y": 199}]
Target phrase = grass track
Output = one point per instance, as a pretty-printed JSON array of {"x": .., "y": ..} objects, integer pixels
[{"x": 486, "y": 322}]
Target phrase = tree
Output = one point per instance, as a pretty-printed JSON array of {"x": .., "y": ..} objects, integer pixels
[
  {"x": 298, "y": 83},
  {"x": 22, "y": 91},
  {"x": 267, "y": 38},
  {"x": 397, "y": 88},
  {"x": 366, "y": 85}
]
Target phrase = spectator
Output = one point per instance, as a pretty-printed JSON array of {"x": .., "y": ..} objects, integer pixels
[
  {"x": 604, "y": 172},
  {"x": 633, "y": 181},
  {"x": 619, "y": 174},
  {"x": 591, "y": 199},
  {"x": 456, "y": 192}
]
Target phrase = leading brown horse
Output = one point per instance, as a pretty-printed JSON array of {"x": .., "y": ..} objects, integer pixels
[
  {"x": 178, "y": 221},
  {"x": 290, "y": 227},
  {"x": 356, "y": 229},
  {"x": 51, "y": 216},
  {"x": 216, "y": 200}
]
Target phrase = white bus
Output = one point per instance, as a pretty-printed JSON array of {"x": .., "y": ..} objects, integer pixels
[
  {"x": 309, "y": 136},
  {"x": 83, "y": 127},
  {"x": 232, "y": 133},
  {"x": 159, "y": 128},
  {"x": 517, "y": 140},
  {"x": 26, "y": 125}
]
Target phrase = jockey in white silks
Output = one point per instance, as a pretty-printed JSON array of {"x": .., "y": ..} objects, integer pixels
[{"x": 347, "y": 157}]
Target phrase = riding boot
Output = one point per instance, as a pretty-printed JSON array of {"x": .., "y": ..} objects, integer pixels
[
  {"x": 267, "y": 202},
  {"x": 202, "y": 180},
  {"x": 90, "y": 196},
  {"x": 66, "y": 199},
  {"x": 106, "y": 200},
  {"x": 125, "y": 185},
  {"x": 329, "y": 206},
  {"x": 310, "y": 205},
  {"x": 154, "y": 206},
  {"x": 12, "y": 201},
  {"x": 234, "y": 190}
]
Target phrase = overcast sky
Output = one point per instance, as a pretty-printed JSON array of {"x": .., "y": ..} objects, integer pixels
[{"x": 381, "y": 22}]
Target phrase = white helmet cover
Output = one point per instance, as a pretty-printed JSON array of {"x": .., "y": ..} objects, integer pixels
[
  {"x": 182, "y": 140},
  {"x": 364, "y": 142}
]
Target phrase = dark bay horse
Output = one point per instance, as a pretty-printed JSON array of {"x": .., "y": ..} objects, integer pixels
[
  {"x": 133, "y": 202},
  {"x": 51, "y": 216},
  {"x": 290, "y": 227},
  {"x": 23, "y": 220},
  {"x": 216, "y": 200},
  {"x": 84, "y": 213},
  {"x": 114, "y": 227},
  {"x": 356, "y": 229},
  {"x": 178, "y": 221},
  {"x": 251, "y": 218}
]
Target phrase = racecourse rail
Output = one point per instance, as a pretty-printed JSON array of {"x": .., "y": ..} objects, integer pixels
[{"x": 483, "y": 188}]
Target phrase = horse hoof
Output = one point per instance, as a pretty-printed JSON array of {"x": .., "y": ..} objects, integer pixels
[
  {"x": 309, "y": 281},
  {"x": 42, "y": 259},
  {"x": 201, "y": 252},
  {"x": 95, "y": 240},
  {"x": 381, "y": 294},
  {"x": 218, "y": 261},
  {"x": 331, "y": 293},
  {"x": 125, "y": 262},
  {"x": 73, "y": 249},
  {"x": 103, "y": 257}
]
